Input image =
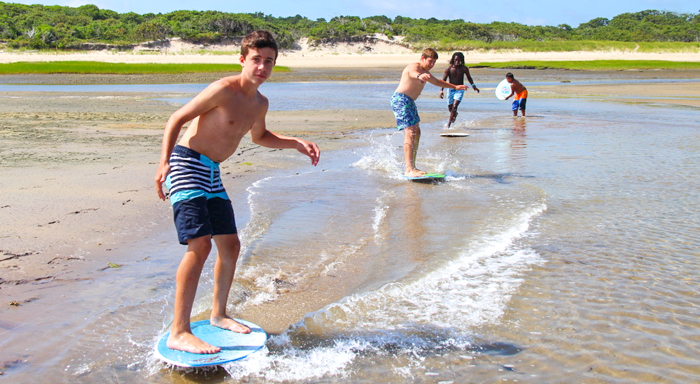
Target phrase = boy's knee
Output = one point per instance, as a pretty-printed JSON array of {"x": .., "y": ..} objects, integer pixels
[
  {"x": 200, "y": 245},
  {"x": 228, "y": 244},
  {"x": 413, "y": 130}
]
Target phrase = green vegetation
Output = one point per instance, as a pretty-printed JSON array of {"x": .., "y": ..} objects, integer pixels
[
  {"x": 596, "y": 65},
  {"x": 93, "y": 67},
  {"x": 41, "y": 27}
]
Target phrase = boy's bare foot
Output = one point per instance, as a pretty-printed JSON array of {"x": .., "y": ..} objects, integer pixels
[
  {"x": 415, "y": 173},
  {"x": 190, "y": 343},
  {"x": 230, "y": 324}
]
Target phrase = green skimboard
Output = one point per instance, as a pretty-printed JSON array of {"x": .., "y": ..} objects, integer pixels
[{"x": 427, "y": 178}]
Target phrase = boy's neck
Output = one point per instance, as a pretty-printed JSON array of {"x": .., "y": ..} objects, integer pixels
[{"x": 247, "y": 87}]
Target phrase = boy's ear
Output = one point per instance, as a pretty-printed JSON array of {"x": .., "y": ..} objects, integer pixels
[{"x": 242, "y": 59}]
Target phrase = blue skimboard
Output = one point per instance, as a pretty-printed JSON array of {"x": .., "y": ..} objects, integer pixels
[
  {"x": 234, "y": 346},
  {"x": 428, "y": 177}
]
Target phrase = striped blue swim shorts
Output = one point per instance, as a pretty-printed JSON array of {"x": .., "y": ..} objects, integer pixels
[
  {"x": 193, "y": 175},
  {"x": 201, "y": 206}
]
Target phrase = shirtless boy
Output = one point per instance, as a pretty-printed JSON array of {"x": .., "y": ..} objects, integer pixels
[
  {"x": 403, "y": 104},
  {"x": 221, "y": 115},
  {"x": 520, "y": 92},
  {"x": 456, "y": 73}
]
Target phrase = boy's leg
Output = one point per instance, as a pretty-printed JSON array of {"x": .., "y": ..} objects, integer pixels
[
  {"x": 410, "y": 149},
  {"x": 187, "y": 279},
  {"x": 523, "y": 103},
  {"x": 229, "y": 247},
  {"x": 453, "y": 113}
]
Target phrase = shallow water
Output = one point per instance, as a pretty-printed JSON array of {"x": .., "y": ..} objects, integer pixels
[{"x": 563, "y": 247}]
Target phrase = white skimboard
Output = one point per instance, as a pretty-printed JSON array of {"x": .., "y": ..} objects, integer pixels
[
  {"x": 503, "y": 89},
  {"x": 454, "y": 134}
]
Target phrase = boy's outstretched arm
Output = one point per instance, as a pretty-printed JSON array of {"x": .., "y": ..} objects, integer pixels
[
  {"x": 261, "y": 136},
  {"x": 440, "y": 83}
]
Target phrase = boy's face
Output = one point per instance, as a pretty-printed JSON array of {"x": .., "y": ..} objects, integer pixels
[
  {"x": 258, "y": 64},
  {"x": 427, "y": 63},
  {"x": 510, "y": 79}
]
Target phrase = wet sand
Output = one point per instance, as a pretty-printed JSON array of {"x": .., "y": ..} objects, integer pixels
[
  {"x": 76, "y": 170},
  {"x": 76, "y": 185}
]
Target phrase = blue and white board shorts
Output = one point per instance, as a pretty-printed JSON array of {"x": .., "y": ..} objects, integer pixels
[
  {"x": 453, "y": 94},
  {"x": 405, "y": 111},
  {"x": 519, "y": 104},
  {"x": 201, "y": 205}
]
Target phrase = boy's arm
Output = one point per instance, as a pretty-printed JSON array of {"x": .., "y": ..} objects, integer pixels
[
  {"x": 469, "y": 77},
  {"x": 512, "y": 91},
  {"x": 261, "y": 136},
  {"x": 444, "y": 78},
  {"x": 440, "y": 83},
  {"x": 203, "y": 102}
]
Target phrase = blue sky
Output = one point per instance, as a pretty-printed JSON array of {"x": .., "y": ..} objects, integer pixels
[{"x": 531, "y": 12}]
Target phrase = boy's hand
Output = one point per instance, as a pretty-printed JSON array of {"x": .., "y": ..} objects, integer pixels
[
  {"x": 309, "y": 149},
  {"x": 462, "y": 87},
  {"x": 161, "y": 174},
  {"x": 476, "y": 89}
]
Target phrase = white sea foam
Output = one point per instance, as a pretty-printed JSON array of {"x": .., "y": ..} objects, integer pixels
[
  {"x": 381, "y": 155},
  {"x": 435, "y": 310},
  {"x": 380, "y": 212},
  {"x": 469, "y": 291}
]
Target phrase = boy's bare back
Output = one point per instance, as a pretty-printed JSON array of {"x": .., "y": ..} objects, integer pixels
[{"x": 517, "y": 86}]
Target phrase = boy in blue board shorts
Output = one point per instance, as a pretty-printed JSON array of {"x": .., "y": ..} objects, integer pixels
[
  {"x": 413, "y": 79},
  {"x": 456, "y": 73},
  {"x": 221, "y": 115}
]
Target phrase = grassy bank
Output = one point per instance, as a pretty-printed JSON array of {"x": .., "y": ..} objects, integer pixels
[
  {"x": 569, "y": 46},
  {"x": 593, "y": 65},
  {"x": 95, "y": 67}
]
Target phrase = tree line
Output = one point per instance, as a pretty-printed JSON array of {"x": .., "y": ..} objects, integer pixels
[{"x": 40, "y": 27}]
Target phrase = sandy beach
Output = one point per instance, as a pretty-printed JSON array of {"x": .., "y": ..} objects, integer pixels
[
  {"x": 76, "y": 169},
  {"x": 342, "y": 57}
]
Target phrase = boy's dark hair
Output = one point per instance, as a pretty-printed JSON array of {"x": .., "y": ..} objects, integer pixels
[
  {"x": 257, "y": 40},
  {"x": 455, "y": 55},
  {"x": 510, "y": 75},
  {"x": 429, "y": 53}
]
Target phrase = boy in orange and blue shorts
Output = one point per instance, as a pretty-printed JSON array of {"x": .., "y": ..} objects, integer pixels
[{"x": 518, "y": 90}]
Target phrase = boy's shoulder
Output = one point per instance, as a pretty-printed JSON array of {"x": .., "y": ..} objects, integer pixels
[
  {"x": 230, "y": 82},
  {"x": 229, "y": 89}
]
